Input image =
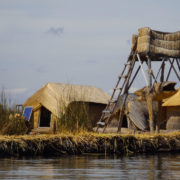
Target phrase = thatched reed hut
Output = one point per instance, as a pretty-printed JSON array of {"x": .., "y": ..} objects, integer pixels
[
  {"x": 52, "y": 100},
  {"x": 172, "y": 109}
]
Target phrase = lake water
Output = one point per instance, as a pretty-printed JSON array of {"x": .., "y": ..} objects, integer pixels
[{"x": 146, "y": 167}]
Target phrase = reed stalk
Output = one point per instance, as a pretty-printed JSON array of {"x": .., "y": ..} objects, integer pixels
[{"x": 10, "y": 122}]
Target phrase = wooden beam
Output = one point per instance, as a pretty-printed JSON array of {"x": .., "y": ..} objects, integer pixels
[
  {"x": 149, "y": 74},
  {"x": 160, "y": 68},
  {"x": 155, "y": 81},
  {"x": 143, "y": 73},
  {"x": 134, "y": 76},
  {"x": 169, "y": 70},
  {"x": 162, "y": 72},
  {"x": 174, "y": 70},
  {"x": 178, "y": 64}
]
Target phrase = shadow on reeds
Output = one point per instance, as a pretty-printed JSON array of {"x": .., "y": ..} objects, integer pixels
[{"x": 73, "y": 115}]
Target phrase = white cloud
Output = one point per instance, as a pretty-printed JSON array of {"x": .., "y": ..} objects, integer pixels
[{"x": 56, "y": 31}]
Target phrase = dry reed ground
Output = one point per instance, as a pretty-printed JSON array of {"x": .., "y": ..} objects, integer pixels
[{"x": 59, "y": 144}]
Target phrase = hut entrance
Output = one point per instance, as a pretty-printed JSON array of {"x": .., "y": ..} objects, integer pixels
[
  {"x": 45, "y": 117},
  {"x": 124, "y": 122}
]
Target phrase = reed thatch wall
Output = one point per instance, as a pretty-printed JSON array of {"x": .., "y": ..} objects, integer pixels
[{"x": 172, "y": 117}]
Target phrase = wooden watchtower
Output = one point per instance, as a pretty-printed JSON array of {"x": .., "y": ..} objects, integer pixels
[{"x": 147, "y": 47}]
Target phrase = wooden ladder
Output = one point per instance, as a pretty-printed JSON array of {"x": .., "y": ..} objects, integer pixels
[{"x": 122, "y": 86}]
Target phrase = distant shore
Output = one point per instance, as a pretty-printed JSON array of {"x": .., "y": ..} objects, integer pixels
[{"x": 61, "y": 144}]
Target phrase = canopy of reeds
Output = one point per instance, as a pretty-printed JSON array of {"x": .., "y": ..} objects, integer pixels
[{"x": 158, "y": 43}]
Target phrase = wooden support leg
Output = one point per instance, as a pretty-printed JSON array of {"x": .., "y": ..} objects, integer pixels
[
  {"x": 149, "y": 97},
  {"x": 159, "y": 115},
  {"x": 121, "y": 115},
  {"x": 158, "y": 119},
  {"x": 150, "y": 110}
]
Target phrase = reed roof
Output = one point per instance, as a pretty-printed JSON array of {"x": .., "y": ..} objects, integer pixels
[
  {"x": 173, "y": 100},
  {"x": 56, "y": 96}
]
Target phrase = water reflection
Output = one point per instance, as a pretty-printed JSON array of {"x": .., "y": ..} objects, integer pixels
[{"x": 162, "y": 166}]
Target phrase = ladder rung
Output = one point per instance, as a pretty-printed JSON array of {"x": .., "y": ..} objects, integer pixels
[
  {"x": 117, "y": 88},
  {"x": 101, "y": 123},
  {"x": 123, "y": 76},
  {"x": 127, "y": 64},
  {"x": 112, "y": 100},
  {"x": 107, "y": 111}
]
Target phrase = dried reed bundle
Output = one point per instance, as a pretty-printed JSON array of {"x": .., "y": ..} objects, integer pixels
[{"x": 56, "y": 145}]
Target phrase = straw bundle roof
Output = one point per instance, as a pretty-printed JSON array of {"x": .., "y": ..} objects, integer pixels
[
  {"x": 173, "y": 100},
  {"x": 55, "y": 96},
  {"x": 158, "y": 43}
]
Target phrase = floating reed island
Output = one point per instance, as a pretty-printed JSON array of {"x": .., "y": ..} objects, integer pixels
[{"x": 56, "y": 145}]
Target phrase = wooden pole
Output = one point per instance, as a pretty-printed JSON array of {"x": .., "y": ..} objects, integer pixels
[
  {"x": 159, "y": 110},
  {"x": 159, "y": 115},
  {"x": 149, "y": 74},
  {"x": 149, "y": 97}
]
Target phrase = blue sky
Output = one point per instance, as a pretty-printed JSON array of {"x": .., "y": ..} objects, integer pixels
[{"x": 73, "y": 41}]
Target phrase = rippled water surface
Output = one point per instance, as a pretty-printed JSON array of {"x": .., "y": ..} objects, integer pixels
[{"x": 162, "y": 166}]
